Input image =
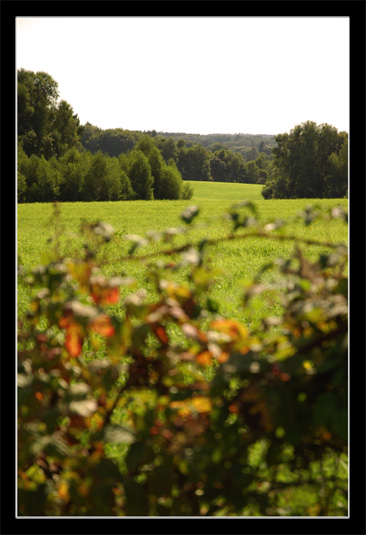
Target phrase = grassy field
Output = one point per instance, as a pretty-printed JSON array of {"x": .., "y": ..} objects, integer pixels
[{"x": 241, "y": 260}]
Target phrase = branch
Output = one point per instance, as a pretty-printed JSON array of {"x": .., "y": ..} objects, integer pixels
[{"x": 232, "y": 237}]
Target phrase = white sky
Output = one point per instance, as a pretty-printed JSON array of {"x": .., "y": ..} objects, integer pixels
[{"x": 255, "y": 75}]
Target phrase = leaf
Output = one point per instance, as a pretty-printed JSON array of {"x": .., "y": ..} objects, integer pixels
[
  {"x": 84, "y": 408},
  {"x": 189, "y": 214},
  {"x": 104, "y": 296},
  {"x": 74, "y": 339},
  {"x": 116, "y": 434},
  {"x": 201, "y": 404},
  {"x": 161, "y": 334},
  {"x": 204, "y": 358},
  {"x": 102, "y": 325}
]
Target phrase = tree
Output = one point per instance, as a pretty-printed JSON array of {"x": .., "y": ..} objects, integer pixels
[
  {"x": 42, "y": 180},
  {"x": 37, "y": 98},
  {"x": 22, "y": 161},
  {"x": 252, "y": 172},
  {"x": 218, "y": 169},
  {"x": 336, "y": 181},
  {"x": 157, "y": 165},
  {"x": 251, "y": 154},
  {"x": 194, "y": 163},
  {"x": 168, "y": 148},
  {"x": 105, "y": 180},
  {"x": 302, "y": 161},
  {"x": 66, "y": 129},
  {"x": 171, "y": 185},
  {"x": 45, "y": 128},
  {"x": 140, "y": 175}
]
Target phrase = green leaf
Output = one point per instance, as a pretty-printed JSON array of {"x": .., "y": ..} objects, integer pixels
[{"x": 189, "y": 214}]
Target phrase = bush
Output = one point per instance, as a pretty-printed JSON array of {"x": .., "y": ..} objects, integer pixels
[{"x": 163, "y": 407}]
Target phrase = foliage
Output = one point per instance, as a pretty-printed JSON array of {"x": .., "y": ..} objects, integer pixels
[
  {"x": 162, "y": 406},
  {"x": 309, "y": 162},
  {"x": 83, "y": 176},
  {"x": 194, "y": 163},
  {"x": 45, "y": 127},
  {"x": 111, "y": 141}
]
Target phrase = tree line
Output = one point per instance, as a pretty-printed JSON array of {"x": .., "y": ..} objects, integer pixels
[
  {"x": 83, "y": 176},
  {"x": 60, "y": 159},
  {"x": 193, "y": 159}
]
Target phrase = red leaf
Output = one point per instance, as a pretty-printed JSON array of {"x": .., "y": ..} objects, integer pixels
[
  {"x": 104, "y": 296},
  {"x": 161, "y": 334}
]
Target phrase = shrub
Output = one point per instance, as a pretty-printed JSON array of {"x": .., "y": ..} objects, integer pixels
[{"x": 168, "y": 408}]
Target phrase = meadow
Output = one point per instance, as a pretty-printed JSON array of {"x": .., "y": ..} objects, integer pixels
[
  {"x": 239, "y": 260},
  {"x": 233, "y": 264}
]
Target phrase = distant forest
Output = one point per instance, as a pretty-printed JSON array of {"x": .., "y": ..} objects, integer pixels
[
  {"x": 60, "y": 159},
  {"x": 118, "y": 140}
]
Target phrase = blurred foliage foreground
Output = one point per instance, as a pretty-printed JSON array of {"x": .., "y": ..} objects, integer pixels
[{"x": 155, "y": 405}]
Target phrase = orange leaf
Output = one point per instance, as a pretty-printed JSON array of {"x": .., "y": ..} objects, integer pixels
[
  {"x": 202, "y": 404},
  {"x": 39, "y": 396},
  {"x": 231, "y": 327},
  {"x": 204, "y": 358},
  {"x": 102, "y": 325},
  {"x": 223, "y": 357},
  {"x": 74, "y": 339}
]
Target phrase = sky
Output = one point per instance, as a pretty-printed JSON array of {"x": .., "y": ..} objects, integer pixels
[{"x": 201, "y": 75}]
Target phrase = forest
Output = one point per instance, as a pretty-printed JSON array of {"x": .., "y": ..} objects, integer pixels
[{"x": 61, "y": 160}]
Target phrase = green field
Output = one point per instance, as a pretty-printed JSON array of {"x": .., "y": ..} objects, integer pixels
[{"x": 241, "y": 260}]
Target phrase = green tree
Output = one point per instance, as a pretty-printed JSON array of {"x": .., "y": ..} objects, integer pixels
[
  {"x": 37, "y": 98},
  {"x": 22, "y": 165},
  {"x": 105, "y": 180},
  {"x": 302, "y": 161},
  {"x": 127, "y": 192},
  {"x": 157, "y": 165},
  {"x": 42, "y": 179},
  {"x": 145, "y": 144},
  {"x": 218, "y": 169},
  {"x": 252, "y": 172},
  {"x": 194, "y": 163},
  {"x": 168, "y": 148},
  {"x": 171, "y": 185},
  {"x": 251, "y": 154},
  {"x": 112, "y": 183},
  {"x": 140, "y": 175},
  {"x": 336, "y": 181},
  {"x": 66, "y": 127},
  {"x": 73, "y": 170},
  {"x": 45, "y": 128}
]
